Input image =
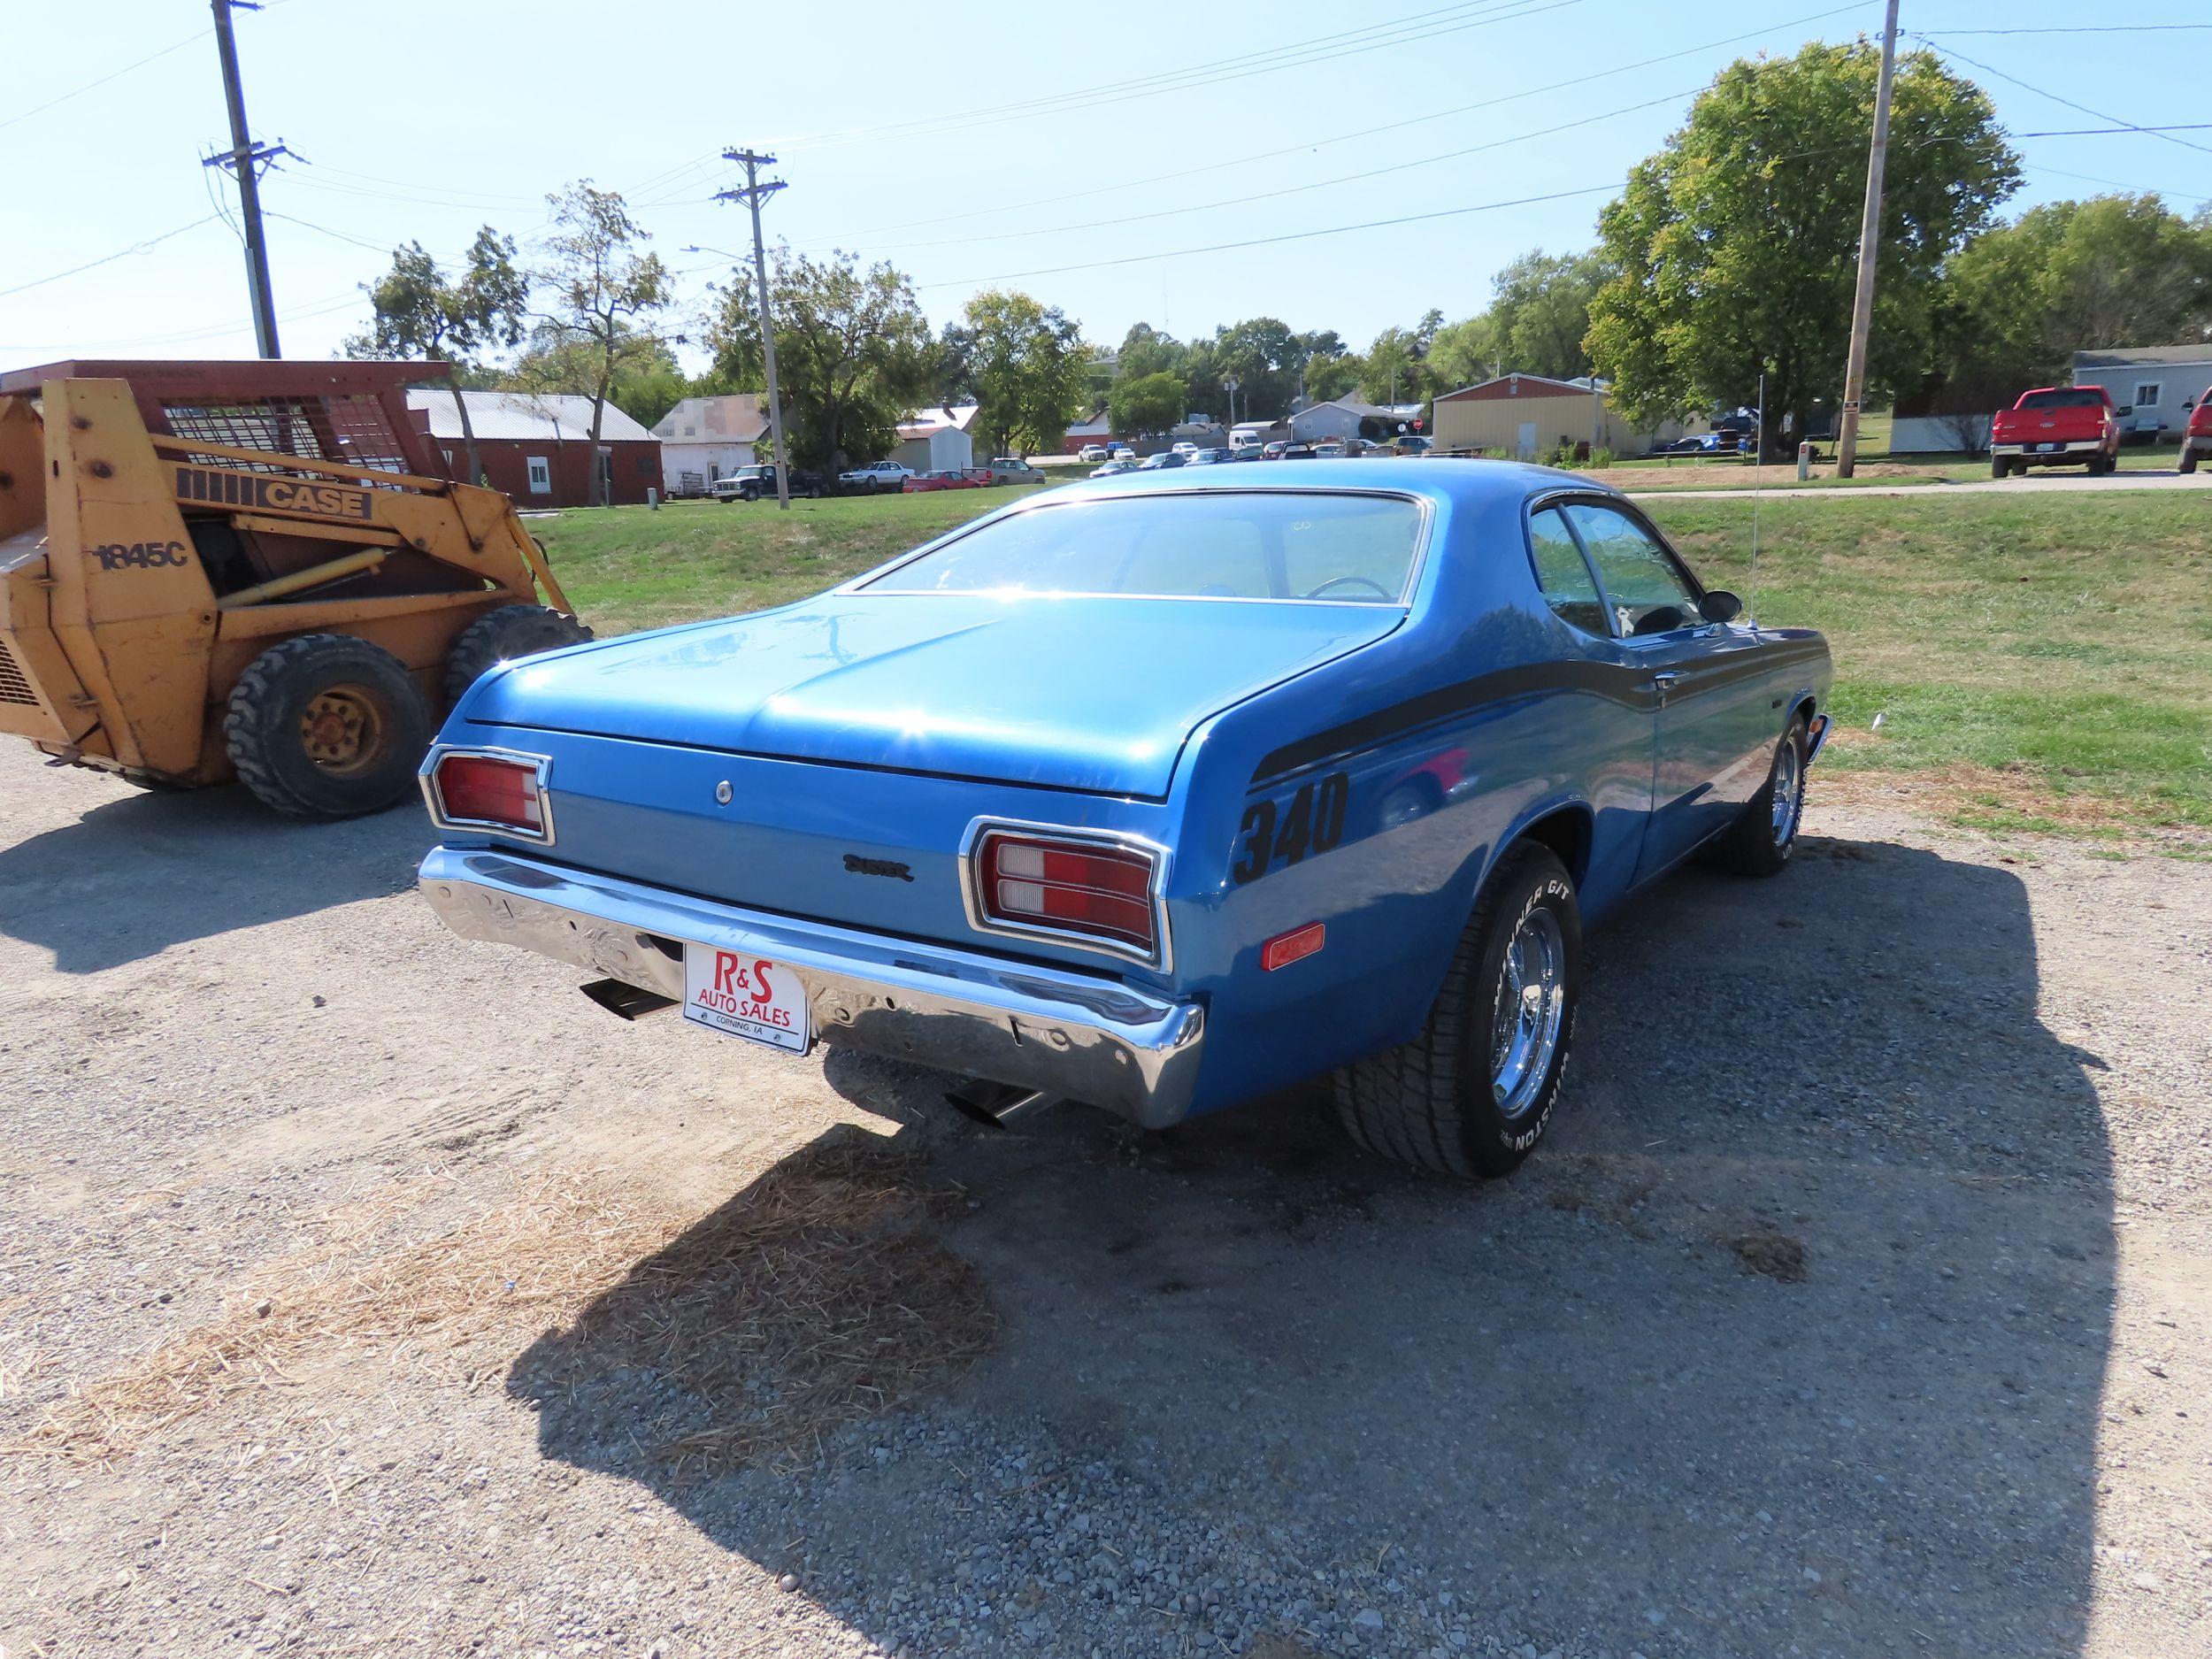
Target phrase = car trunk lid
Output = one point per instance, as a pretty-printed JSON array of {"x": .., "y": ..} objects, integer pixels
[{"x": 1088, "y": 694}]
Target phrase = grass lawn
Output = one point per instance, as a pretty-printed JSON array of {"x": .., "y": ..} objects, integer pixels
[
  {"x": 627, "y": 568},
  {"x": 2050, "y": 659},
  {"x": 2042, "y": 662}
]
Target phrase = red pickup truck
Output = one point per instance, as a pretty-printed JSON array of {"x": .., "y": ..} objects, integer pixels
[
  {"x": 2198, "y": 440},
  {"x": 2056, "y": 425}
]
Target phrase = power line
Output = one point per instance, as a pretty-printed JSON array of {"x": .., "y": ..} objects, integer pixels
[
  {"x": 2091, "y": 178},
  {"x": 1294, "y": 189},
  {"x": 1293, "y": 56},
  {"x": 2156, "y": 132},
  {"x": 1263, "y": 242},
  {"x": 1339, "y": 138},
  {"x": 125, "y": 253},
  {"x": 113, "y": 75},
  {"x": 2071, "y": 28}
]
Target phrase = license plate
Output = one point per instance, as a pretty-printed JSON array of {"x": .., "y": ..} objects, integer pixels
[
  {"x": 2048, "y": 449},
  {"x": 746, "y": 997}
]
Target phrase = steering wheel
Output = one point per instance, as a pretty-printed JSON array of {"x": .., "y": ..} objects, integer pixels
[{"x": 1381, "y": 592}]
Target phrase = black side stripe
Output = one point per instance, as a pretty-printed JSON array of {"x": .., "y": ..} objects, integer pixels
[{"x": 1620, "y": 683}]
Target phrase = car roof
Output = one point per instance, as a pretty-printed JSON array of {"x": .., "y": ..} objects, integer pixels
[{"x": 1455, "y": 483}]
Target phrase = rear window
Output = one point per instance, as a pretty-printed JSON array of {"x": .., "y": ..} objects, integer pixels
[
  {"x": 2064, "y": 399},
  {"x": 1345, "y": 548}
]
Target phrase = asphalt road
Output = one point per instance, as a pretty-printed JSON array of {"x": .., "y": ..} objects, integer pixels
[{"x": 1860, "y": 1304}]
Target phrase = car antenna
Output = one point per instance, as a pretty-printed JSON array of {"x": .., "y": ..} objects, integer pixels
[{"x": 1758, "y": 482}]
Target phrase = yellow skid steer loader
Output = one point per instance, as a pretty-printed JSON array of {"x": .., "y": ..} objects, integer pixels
[{"x": 257, "y": 570}]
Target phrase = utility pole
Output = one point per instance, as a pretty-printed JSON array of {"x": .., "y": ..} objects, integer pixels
[
  {"x": 753, "y": 194},
  {"x": 1870, "y": 244},
  {"x": 243, "y": 159},
  {"x": 1229, "y": 383}
]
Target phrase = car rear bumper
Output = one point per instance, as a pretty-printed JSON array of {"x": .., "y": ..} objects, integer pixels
[
  {"x": 2035, "y": 452},
  {"x": 1064, "y": 1034}
]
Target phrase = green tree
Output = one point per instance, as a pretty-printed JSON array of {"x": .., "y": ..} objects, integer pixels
[
  {"x": 1026, "y": 365},
  {"x": 416, "y": 310},
  {"x": 602, "y": 285},
  {"x": 1464, "y": 353},
  {"x": 1333, "y": 376},
  {"x": 646, "y": 384},
  {"x": 854, "y": 354},
  {"x": 1394, "y": 369},
  {"x": 1150, "y": 402},
  {"x": 2022, "y": 298},
  {"x": 1540, "y": 311},
  {"x": 1732, "y": 250}
]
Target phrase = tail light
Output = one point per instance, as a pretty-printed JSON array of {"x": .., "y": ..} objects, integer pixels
[
  {"x": 489, "y": 789},
  {"x": 1085, "y": 888}
]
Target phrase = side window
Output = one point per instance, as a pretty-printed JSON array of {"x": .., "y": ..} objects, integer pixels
[
  {"x": 1565, "y": 579},
  {"x": 1647, "y": 589},
  {"x": 540, "y": 475}
]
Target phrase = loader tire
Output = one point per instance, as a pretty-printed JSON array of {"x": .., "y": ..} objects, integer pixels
[
  {"x": 502, "y": 635},
  {"x": 327, "y": 726}
]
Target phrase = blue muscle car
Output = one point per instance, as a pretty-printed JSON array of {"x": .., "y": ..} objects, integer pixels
[{"x": 1159, "y": 793}]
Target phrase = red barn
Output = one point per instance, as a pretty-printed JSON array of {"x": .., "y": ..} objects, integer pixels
[{"x": 537, "y": 446}]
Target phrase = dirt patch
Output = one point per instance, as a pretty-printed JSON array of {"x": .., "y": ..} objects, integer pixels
[
  {"x": 2004, "y": 799},
  {"x": 810, "y": 1299},
  {"x": 1777, "y": 1254}
]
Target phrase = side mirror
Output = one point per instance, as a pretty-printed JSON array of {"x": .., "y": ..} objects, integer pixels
[
  {"x": 2124, "y": 409},
  {"x": 1719, "y": 605}
]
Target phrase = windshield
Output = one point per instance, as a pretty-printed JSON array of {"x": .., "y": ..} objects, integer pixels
[
  {"x": 1240, "y": 544},
  {"x": 2064, "y": 399}
]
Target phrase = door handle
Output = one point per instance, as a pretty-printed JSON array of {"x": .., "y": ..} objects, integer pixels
[{"x": 1664, "y": 681}]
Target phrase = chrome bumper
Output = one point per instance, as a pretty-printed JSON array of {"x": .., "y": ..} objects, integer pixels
[{"x": 1042, "y": 1028}]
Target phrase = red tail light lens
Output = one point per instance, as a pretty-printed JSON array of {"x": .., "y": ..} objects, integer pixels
[
  {"x": 1097, "y": 890},
  {"x": 490, "y": 790}
]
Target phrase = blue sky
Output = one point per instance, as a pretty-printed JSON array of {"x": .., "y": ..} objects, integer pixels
[{"x": 1061, "y": 149}]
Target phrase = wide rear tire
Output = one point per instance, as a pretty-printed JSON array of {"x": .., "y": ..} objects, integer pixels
[
  {"x": 326, "y": 726},
  {"x": 1473, "y": 1093},
  {"x": 2187, "y": 464},
  {"x": 502, "y": 636}
]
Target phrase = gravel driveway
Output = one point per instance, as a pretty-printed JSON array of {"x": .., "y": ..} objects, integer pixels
[{"x": 1858, "y": 1305}]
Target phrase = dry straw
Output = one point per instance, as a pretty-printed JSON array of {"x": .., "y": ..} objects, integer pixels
[{"x": 817, "y": 1296}]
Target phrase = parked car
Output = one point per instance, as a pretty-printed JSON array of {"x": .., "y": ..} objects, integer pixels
[
  {"x": 2056, "y": 425},
  {"x": 1246, "y": 448},
  {"x": 1412, "y": 443},
  {"x": 1091, "y": 454},
  {"x": 1209, "y": 457},
  {"x": 1356, "y": 824},
  {"x": 1119, "y": 464},
  {"x": 1165, "y": 459},
  {"x": 1010, "y": 469},
  {"x": 1299, "y": 452},
  {"x": 2197, "y": 440},
  {"x": 944, "y": 478},
  {"x": 750, "y": 483},
  {"x": 876, "y": 477},
  {"x": 1273, "y": 451},
  {"x": 1184, "y": 447},
  {"x": 1120, "y": 451}
]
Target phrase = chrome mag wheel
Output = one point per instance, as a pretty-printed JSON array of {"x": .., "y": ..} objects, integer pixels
[
  {"x": 1789, "y": 793},
  {"x": 1529, "y": 1012}
]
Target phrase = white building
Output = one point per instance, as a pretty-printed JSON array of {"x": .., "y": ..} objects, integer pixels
[
  {"x": 1346, "y": 416},
  {"x": 2161, "y": 383},
  {"x": 937, "y": 440},
  {"x": 706, "y": 438}
]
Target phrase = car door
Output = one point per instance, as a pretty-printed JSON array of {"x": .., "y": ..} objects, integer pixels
[{"x": 1706, "y": 676}]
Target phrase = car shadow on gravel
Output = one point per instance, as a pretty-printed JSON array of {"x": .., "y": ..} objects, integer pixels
[
  {"x": 149, "y": 870},
  {"x": 1793, "y": 1333}
]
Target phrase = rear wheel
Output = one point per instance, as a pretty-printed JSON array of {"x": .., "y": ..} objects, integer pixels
[
  {"x": 1474, "y": 1093},
  {"x": 2188, "y": 462},
  {"x": 502, "y": 635},
  {"x": 1998, "y": 466},
  {"x": 326, "y": 726},
  {"x": 1761, "y": 841}
]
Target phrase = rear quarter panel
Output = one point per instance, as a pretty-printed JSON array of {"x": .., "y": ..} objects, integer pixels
[{"x": 1479, "y": 717}]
